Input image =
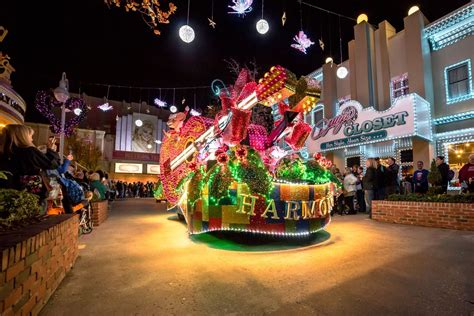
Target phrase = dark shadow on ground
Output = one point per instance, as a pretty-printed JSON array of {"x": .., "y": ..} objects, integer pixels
[{"x": 234, "y": 241}]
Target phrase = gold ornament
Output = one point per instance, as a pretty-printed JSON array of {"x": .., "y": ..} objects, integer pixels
[{"x": 149, "y": 9}]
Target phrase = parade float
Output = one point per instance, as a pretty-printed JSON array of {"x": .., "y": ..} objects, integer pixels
[{"x": 231, "y": 174}]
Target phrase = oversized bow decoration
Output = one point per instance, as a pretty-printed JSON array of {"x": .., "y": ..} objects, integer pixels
[
  {"x": 280, "y": 125},
  {"x": 239, "y": 118}
]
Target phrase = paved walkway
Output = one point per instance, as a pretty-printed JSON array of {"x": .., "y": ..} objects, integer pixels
[{"x": 141, "y": 262}]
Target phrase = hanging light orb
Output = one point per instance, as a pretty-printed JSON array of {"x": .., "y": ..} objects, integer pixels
[
  {"x": 362, "y": 18},
  {"x": 342, "y": 72},
  {"x": 149, "y": 146},
  {"x": 413, "y": 10},
  {"x": 173, "y": 109},
  {"x": 262, "y": 26},
  {"x": 138, "y": 122},
  {"x": 328, "y": 60},
  {"x": 77, "y": 111},
  {"x": 186, "y": 33}
]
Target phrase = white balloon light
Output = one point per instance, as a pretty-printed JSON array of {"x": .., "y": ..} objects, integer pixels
[
  {"x": 77, "y": 111},
  {"x": 173, "y": 109},
  {"x": 138, "y": 122},
  {"x": 342, "y": 72},
  {"x": 186, "y": 33},
  {"x": 262, "y": 26}
]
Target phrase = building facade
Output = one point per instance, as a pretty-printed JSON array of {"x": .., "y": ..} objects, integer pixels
[
  {"x": 12, "y": 105},
  {"x": 407, "y": 95}
]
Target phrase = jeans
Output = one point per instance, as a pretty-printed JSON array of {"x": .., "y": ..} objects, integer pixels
[
  {"x": 349, "y": 202},
  {"x": 369, "y": 196},
  {"x": 360, "y": 200}
]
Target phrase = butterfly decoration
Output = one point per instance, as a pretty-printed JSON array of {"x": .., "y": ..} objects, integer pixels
[
  {"x": 302, "y": 42},
  {"x": 195, "y": 112},
  {"x": 159, "y": 103},
  {"x": 241, "y": 7},
  {"x": 105, "y": 107}
]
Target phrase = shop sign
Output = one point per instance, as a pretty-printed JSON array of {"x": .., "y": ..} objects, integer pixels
[
  {"x": 380, "y": 135},
  {"x": 355, "y": 125},
  {"x": 121, "y": 167}
]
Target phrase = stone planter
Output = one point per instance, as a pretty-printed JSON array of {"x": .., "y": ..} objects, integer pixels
[
  {"x": 34, "y": 261},
  {"x": 443, "y": 215},
  {"x": 100, "y": 212}
]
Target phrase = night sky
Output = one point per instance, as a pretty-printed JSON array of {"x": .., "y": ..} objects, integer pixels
[{"x": 95, "y": 44}]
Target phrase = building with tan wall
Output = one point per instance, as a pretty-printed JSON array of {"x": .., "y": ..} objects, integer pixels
[{"x": 408, "y": 94}]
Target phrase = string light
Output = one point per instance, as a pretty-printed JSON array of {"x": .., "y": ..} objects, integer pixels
[
  {"x": 186, "y": 32},
  {"x": 173, "y": 109},
  {"x": 341, "y": 70},
  {"x": 262, "y": 24}
]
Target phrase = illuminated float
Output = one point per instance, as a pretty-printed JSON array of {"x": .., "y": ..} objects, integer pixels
[{"x": 228, "y": 173}]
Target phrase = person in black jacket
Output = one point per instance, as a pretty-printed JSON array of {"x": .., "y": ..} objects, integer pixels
[
  {"x": 380, "y": 175},
  {"x": 443, "y": 168},
  {"x": 392, "y": 179},
  {"x": 369, "y": 183},
  {"x": 23, "y": 160}
]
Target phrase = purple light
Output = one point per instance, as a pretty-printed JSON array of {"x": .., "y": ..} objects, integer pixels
[
  {"x": 159, "y": 103},
  {"x": 45, "y": 103}
]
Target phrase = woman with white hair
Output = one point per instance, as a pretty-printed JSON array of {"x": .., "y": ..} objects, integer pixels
[{"x": 350, "y": 188}]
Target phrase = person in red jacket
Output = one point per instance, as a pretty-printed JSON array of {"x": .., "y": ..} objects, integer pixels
[{"x": 466, "y": 174}]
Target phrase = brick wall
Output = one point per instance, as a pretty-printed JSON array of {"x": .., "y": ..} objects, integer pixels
[
  {"x": 100, "y": 212},
  {"x": 32, "y": 268},
  {"x": 444, "y": 215}
]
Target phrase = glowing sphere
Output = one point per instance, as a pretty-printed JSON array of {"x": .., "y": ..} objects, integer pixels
[
  {"x": 149, "y": 146},
  {"x": 328, "y": 60},
  {"x": 413, "y": 10},
  {"x": 262, "y": 26},
  {"x": 362, "y": 18},
  {"x": 186, "y": 33},
  {"x": 77, "y": 111},
  {"x": 138, "y": 122},
  {"x": 342, "y": 72},
  {"x": 173, "y": 109}
]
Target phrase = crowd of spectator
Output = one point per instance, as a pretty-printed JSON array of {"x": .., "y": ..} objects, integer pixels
[
  {"x": 123, "y": 189},
  {"x": 377, "y": 182}
]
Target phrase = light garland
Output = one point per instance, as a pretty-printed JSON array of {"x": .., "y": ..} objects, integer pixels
[
  {"x": 45, "y": 102},
  {"x": 454, "y": 118},
  {"x": 451, "y": 29}
]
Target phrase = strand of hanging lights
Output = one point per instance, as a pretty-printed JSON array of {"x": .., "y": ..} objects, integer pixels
[
  {"x": 186, "y": 32},
  {"x": 262, "y": 24}
]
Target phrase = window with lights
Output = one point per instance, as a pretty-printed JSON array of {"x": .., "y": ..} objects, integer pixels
[
  {"x": 399, "y": 86},
  {"x": 458, "y": 81}
]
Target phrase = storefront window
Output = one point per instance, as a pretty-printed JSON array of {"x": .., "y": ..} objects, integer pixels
[
  {"x": 458, "y": 155},
  {"x": 351, "y": 161}
]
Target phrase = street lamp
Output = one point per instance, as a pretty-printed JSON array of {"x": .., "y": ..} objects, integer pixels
[{"x": 61, "y": 94}]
